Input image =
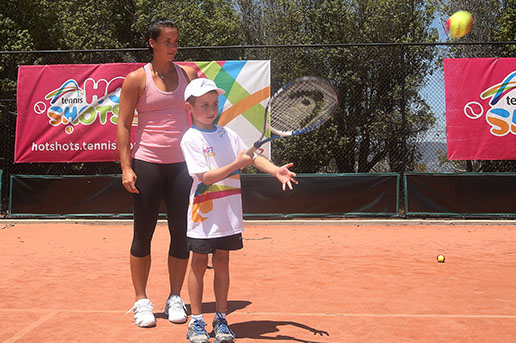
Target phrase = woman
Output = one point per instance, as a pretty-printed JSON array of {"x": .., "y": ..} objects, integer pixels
[{"x": 155, "y": 169}]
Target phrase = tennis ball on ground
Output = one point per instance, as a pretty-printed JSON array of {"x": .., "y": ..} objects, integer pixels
[
  {"x": 440, "y": 258},
  {"x": 459, "y": 24}
]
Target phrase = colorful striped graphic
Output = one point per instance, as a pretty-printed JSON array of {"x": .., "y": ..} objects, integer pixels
[
  {"x": 247, "y": 86},
  {"x": 204, "y": 196},
  {"x": 496, "y": 92}
]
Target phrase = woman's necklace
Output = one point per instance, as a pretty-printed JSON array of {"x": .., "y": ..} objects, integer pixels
[{"x": 161, "y": 76}]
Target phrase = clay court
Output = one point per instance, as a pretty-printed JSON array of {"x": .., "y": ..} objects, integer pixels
[{"x": 294, "y": 281}]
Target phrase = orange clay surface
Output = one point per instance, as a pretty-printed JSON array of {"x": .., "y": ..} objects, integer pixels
[{"x": 338, "y": 281}]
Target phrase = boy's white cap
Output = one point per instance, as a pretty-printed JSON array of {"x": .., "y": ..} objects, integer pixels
[{"x": 199, "y": 87}]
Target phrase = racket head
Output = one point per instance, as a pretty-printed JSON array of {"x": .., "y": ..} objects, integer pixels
[{"x": 300, "y": 106}]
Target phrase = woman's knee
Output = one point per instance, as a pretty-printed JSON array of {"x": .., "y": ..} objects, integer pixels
[{"x": 140, "y": 249}]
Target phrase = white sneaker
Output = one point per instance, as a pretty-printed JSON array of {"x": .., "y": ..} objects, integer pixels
[
  {"x": 175, "y": 309},
  {"x": 143, "y": 316}
]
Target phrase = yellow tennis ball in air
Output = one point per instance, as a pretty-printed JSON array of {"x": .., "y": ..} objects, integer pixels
[
  {"x": 459, "y": 24},
  {"x": 440, "y": 258}
]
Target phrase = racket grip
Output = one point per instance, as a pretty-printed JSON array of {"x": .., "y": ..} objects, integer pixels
[{"x": 252, "y": 149}]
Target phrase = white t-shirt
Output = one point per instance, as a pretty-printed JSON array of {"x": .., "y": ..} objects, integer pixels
[{"x": 214, "y": 210}]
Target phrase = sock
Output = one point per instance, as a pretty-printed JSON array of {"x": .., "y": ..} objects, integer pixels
[
  {"x": 220, "y": 315},
  {"x": 195, "y": 317}
]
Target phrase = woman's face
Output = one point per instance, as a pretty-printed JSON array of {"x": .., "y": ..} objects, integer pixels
[{"x": 165, "y": 46}]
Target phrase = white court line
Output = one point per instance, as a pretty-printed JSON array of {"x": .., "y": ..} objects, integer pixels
[
  {"x": 370, "y": 315},
  {"x": 31, "y": 327}
]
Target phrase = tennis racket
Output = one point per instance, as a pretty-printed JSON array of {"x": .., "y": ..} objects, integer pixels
[{"x": 298, "y": 107}]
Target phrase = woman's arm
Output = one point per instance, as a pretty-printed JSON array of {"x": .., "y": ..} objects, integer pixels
[
  {"x": 190, "y": 72},
  {"x": 131, "y": 90}
]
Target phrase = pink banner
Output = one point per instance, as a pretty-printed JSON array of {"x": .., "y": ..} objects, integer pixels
[
  {"x": 480, "y": 108},
  {"x": 68, "y": 113}
]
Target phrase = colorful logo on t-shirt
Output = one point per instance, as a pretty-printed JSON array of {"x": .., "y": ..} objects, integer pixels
[
  {"x": 209, "y": 152},
  {"x": 204, "y": 196}
]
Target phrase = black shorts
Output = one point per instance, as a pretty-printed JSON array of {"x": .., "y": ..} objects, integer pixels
[{"x": 209, "y": 245}]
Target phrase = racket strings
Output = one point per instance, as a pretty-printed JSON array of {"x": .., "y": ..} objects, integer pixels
[{"x": 301, "y": 106}]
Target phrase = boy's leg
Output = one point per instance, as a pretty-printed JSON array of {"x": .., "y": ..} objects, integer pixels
[
  {"x": 220, "y": 261},
  {"x": 221, "y": 331},
  {"x": 196, "y": 328},
  {"x": 198, "y": 266}
]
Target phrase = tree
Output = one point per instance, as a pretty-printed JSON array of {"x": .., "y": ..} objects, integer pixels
[
  {"x": 201, "y": 23},
  {"x": 506, "y": 28},
  {"x": 381, "y": 112},
  {"x": 107, "y": 24},
  {"x": 13, "y": 38},
  {"x": 249, "y": 21}
]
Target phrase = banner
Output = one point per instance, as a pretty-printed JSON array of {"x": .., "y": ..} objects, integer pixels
[
  {"x": 68, "y": 113},
  {"x": 480, "y": 108}
]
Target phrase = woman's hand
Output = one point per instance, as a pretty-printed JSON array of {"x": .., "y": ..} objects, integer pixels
[{"x": 129, "y": 181}]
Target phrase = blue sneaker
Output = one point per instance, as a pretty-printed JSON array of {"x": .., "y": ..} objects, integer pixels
[
  {"x": 221, "y": 331},
  {"x": 197, "y": 332}
]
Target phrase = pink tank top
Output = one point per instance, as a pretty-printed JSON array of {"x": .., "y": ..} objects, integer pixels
[{"x": 162, "y": 121}]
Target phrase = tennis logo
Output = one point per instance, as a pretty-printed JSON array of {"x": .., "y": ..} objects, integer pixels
[
  {"x": 209, "y": 151},
  {"x": 70, "y": 105},
  {"x": 501, "y": 115}
]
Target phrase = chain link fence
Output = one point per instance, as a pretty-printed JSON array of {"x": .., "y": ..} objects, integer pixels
[{"x": 391, "y": 116}]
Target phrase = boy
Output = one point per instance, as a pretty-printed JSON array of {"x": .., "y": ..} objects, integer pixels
[{"x": 214, "y": 156}]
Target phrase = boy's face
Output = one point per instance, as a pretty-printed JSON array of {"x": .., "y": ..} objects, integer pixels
[{"x": 205, "y": 110}]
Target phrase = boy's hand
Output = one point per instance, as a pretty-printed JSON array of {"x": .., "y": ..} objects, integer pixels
[
  {"x": 243, "y": 159},
  {"x": 285, "y": 176}
]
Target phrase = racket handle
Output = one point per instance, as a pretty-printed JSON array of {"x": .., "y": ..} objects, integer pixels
[{"x": 252, "y": 149}]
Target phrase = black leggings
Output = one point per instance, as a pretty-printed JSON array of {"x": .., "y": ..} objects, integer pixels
[{"x": 170, "y": 182}]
